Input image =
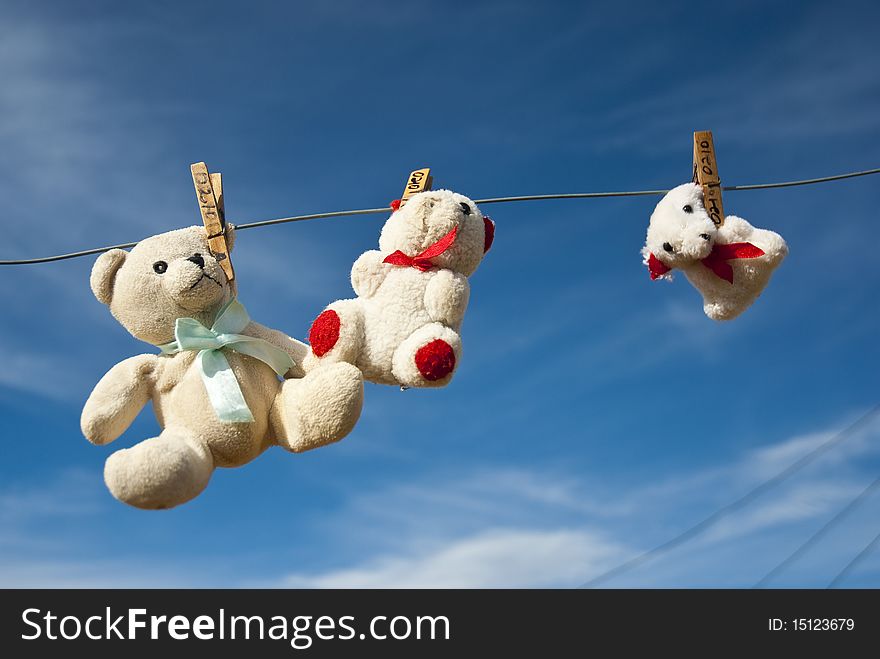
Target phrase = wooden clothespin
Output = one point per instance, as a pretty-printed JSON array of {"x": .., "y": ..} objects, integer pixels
[
  {"x": 706, "y": 174},
  {"x": 418, "y": 181},
  {"x": 209, "y": 192}
]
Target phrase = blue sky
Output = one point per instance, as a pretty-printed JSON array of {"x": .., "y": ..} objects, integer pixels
[{"x": 595, "y": 413}]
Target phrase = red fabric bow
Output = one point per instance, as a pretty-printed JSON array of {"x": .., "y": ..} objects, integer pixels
[
  {"x": 656, "y": 267},
  {"x": 422, "y": 261},
  {"x": 717, "y": 261}
]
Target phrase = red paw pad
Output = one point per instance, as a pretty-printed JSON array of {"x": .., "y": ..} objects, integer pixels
[
  {"x": 435, "y": 360},
  {"x": 324, "y": 332}
]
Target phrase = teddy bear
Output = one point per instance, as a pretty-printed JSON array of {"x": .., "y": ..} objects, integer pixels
[
  {"x": 215, "y": 384},
  {"x": 729, "y": 265},
  {"x": 403, "y": 326}
]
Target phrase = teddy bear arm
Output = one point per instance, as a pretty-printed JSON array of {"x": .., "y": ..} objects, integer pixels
[
  {"x": 446, "y": 297},
  {"x": 368, "y": 273},
  {"x": 296, "y": 349},
  {"x": 118, "y": 398}
]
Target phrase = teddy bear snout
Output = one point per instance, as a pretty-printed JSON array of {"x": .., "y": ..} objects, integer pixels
[
  {"x": 697, "y": 245},
  {"x": 194, "y": 281}
]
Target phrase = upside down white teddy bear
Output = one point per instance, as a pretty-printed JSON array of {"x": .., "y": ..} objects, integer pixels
[
  {"x": 729, "y": 265},
  {"x": 403, "y": 328},
  {"x": 214, "y": 387}
]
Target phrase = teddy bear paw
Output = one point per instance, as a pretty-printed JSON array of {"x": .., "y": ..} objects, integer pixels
[
  {"x": 320, "y": 408},
  {"x": 161, "y": 472},
  {"x": 435, "y": 360},
  {"x": 336, "y": 335},
  {"x": 428, "y": 357},
  {"x": 324, "y": 333}
]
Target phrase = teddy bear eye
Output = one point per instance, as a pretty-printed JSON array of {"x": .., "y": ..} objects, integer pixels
[
  {"x": 159, "y": 267},
  {"x": 688, "y": 209},
  {"x": 465, "y": 208},
  {"x": 705, "y": 236}
]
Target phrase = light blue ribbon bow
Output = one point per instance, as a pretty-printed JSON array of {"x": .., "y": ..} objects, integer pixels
[{"x": 223, "y": 388}]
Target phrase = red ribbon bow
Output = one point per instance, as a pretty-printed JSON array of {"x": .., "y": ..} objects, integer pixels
[
  {"x": 656, "y": 267},
  {"x": 717, "y": 261},
  {"x": 422, "y": 261}
]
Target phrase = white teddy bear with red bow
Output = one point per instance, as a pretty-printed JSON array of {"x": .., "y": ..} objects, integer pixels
[
  {"x": 730, "y": 265},
  {"x": 403, "y": 328}
]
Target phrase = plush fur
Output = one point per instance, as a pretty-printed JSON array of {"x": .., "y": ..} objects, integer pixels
[
  {"x": 682, "y": 236},
  {"x": 403, "y": 328},
  {"x": 171, "y": 276}
]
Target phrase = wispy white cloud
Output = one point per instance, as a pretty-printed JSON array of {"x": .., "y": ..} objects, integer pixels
[
  {"x": 497, "y": 558},
  {"x": 544, "y": 530},
  {"x": 92, "y": 573},
  {"x": 41, "y": 545},
  {"x": 803, "y": 502},
  {"x": 797, "y": 98},
  {"x": 489, "y": 527},
  {"x": 27, "y": 512},
  {"x": 50, "y": 374},
  {"x": 70, "y": 494},
  {"x": 68, "y": 147}
]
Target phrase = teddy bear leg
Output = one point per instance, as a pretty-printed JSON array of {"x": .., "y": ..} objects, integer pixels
[
  {"x": 319, "y": 409},
  {"x": 161, "y": 472},
  {"x": 336, "y": 335},
  {"x": 427, "y": 357}
]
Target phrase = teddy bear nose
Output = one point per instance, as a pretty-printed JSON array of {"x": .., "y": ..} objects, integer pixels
[
  {"x": 667, "y": 247},
  {"x": 197, "y": 259}
]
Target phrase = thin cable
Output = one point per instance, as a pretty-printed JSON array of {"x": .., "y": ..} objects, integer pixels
[
  {"x": 807, "y": 181},
  {"x": 72, "y": 255},
  {"x": 314, "y": 216},
  {"x": 491, "y": 200},
  {"x": 572, "y": 195},
  {"x": 849, "y": 567},
  {"x": 743, "y": 501},
  {"x": 818, "y": 535}
]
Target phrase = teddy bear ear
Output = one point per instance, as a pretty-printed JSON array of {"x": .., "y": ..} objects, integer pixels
[
  {"x": 104, "y": 274},
  {"x": 489, "y": 235}
]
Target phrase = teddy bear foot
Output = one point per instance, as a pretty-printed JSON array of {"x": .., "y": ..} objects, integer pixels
[
  {"x": 717, "y": 311},
  {"x": 161, "y": 472},
  {"x": 336, "y": 335},
  {"x": 320, "y": 408},
  {"x": 427, "y": 357}
]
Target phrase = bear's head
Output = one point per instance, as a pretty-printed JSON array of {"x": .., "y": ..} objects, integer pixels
[
  {"x": 163, "y": 278},
  {"x": 429, "y": 217},
  {"x": 680, "y": 230}
]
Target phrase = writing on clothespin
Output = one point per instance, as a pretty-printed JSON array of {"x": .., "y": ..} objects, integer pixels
[
  {"x": 418, "y": 181},
  {"x": 706, "y": 174},
  {"x": 209, "y": 193}
]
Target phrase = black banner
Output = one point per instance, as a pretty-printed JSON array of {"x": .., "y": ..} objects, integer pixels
[{"x": 417, "y": 623}]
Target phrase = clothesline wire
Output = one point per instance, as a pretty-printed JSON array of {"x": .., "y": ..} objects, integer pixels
[
  {"x": 491, "y": 200},
  {"x": 858, "y": 558},
  {"x": 706, "y": 523},
  {"x": 805, "y": 546}
]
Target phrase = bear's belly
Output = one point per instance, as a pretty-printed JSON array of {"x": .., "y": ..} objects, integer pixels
[
  {"x": 182, "y": 402},
  {"x": 390, "y": 316}
]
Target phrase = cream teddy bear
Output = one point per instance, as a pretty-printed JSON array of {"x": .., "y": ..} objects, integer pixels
[
  {"x": 403, "y": 328},
  {"x": 215, "y": 386},
  {"x": 729, "y": 265}
]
